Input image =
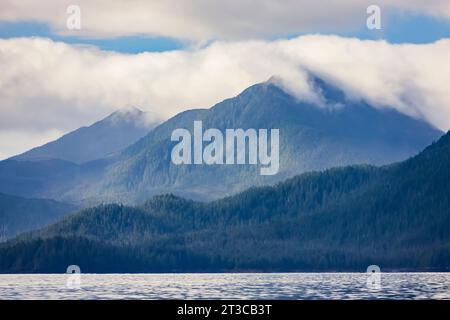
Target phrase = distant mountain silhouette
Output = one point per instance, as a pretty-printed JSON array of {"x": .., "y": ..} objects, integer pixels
[
  {"x": 395, "y": 216},
  {"x": 19, "y": 215},
  {"x": 102, "y": 139},
  {"x": 312, "y": 137}
]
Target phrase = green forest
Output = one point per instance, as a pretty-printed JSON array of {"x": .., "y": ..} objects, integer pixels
[{"x": 341, "y": 219}]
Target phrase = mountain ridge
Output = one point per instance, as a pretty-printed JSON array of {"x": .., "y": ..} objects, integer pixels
[
  {"x": 305, "y": 140},
  {"x": 18, "y": 215},
  {"x": 342, "y": 219},
  {"x": 98, "y": 140},
  {"x": 311, "y": 138}
]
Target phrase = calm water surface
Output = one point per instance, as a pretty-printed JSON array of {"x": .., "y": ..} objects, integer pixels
[{"x": 227, "y": 286}]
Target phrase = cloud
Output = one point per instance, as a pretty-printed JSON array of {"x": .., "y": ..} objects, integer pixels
[
  {"x": 202, "y": 20},
  {"x": 48, "y": 86}
]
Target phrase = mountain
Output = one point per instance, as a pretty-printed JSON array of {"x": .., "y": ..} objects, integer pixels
[
  {"x": 100, "y": 140},
  {"x": 48, "y": 179},
  {"x": 19, "y": 215},
  {"x": 395, "y": 216},
  {"x": 312, "y": 137}
]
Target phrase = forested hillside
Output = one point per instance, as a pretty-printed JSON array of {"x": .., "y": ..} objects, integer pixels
[{"x": 396, "y": 216}]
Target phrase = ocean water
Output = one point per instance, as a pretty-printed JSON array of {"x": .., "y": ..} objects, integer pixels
[{"x": 227, "y": 286}]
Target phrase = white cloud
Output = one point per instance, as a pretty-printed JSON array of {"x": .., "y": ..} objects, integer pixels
[
  {"x": 199, "y": 20},
  {"x": 45, "y": 85},
  {"x": 15, "y": 142}
]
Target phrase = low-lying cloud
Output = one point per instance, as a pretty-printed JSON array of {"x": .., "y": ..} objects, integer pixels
[{"x": 48, "y": 86}]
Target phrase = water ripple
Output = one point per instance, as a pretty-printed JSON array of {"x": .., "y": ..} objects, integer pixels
[{"x": 227, "y": 286}]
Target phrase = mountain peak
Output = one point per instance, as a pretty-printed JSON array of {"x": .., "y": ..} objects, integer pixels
[
  {"x": 438, "y": 147},
  {"x": 272, "y": 87},
  {"x": 323, "y": 92},
  {"x": 312, "y": 138},
  {"x": 129, "y": 110},
  {"x": 127, "y": 114}
]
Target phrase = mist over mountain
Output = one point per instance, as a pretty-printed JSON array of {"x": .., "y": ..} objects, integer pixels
[
  {"x": 99, "y": 140},
  {"x": 312, "y": 137},
  {"x": 343, "y": 219}
]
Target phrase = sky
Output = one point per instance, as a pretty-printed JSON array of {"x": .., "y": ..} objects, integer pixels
[{"x": 169, "y": 56}]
